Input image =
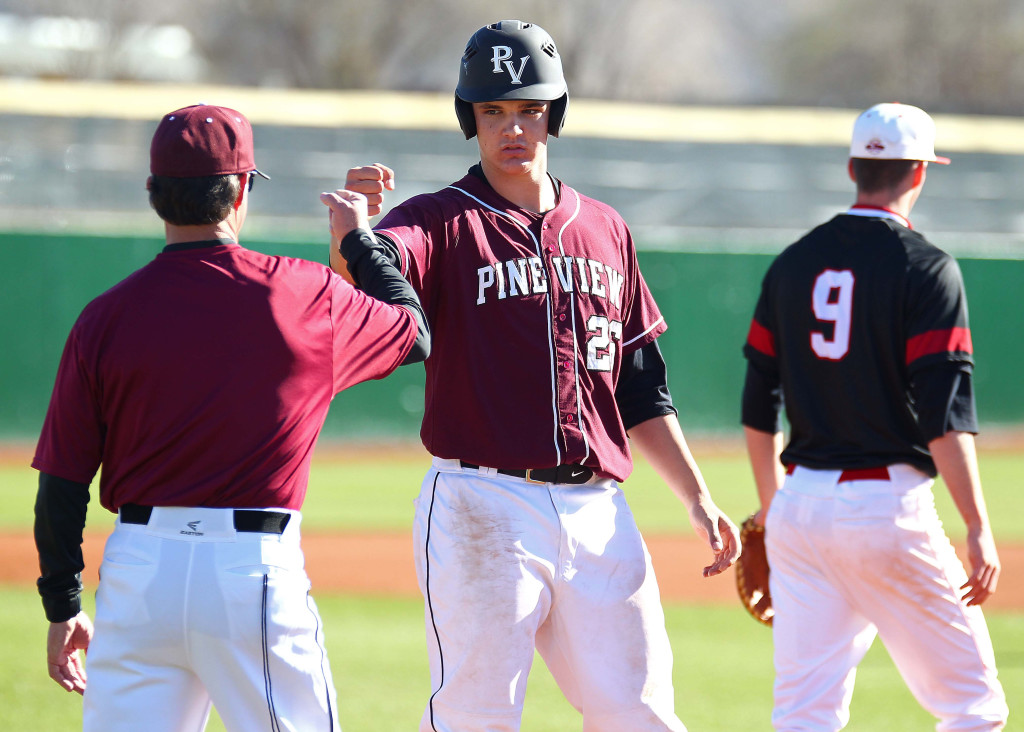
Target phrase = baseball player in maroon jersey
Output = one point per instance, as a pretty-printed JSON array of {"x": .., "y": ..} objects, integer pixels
[
  {"x": 861, "y": 330},
  {"x": 200, "y": 383},
  {"x": 544, "y": 360}
]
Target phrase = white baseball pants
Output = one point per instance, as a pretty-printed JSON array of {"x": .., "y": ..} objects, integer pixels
[
  {"x": 190, "y": 611},
  {"x": 506, "y": 566},
  {"x": 854, "y": 558}
]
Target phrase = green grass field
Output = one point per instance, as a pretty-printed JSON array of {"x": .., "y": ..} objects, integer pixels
[
  {"x": 350, "y": 490},
  {"x": 723, "y": 670}
]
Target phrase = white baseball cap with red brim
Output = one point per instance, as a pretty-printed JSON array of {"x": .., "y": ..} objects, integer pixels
[{"x": 893, "y": 131}]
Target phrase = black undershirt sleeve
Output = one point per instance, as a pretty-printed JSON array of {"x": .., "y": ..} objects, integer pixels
[
  {"x": 762, "y": 400},
  {"x": 642, "y": 392},
  {"x": 372, "y": 266},
  {"x": 943, "y": 397},
  {"x": 61, "y": 506},
  {"x": 388, "y": 248}
]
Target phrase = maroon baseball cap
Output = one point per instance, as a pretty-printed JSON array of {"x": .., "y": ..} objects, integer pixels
[{"x": 202, "y": 140}]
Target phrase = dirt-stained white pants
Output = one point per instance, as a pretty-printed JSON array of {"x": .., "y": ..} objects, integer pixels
[
  {"x": 188, "y": 610},
  {"x": 852, "y": 559},
  {"x": 506, "y": 566}
]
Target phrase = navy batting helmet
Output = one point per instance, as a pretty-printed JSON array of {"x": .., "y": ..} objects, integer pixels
[{"x": 510, "y": 59}]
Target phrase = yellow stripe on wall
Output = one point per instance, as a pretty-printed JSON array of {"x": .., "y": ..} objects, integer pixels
[{"x": 435, "y": 111}]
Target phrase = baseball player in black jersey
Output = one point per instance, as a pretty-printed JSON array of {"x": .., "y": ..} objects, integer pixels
[{"x": 861, "y": 331}]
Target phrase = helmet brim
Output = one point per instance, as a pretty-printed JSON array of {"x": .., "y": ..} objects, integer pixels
[{"x": 540, "y": 92}]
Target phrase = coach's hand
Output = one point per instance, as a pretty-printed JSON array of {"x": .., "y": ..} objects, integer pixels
[
  {"x": 371, "y": 181},
  {"x": 348, "y": 212},
  {"x": 63, "y": 642}
]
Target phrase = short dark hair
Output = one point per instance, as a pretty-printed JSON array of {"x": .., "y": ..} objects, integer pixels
[
  {"x": 875, "y": 176},
  {"x": 194, "y": 201}
]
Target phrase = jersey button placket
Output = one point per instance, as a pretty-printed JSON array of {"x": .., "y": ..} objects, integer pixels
[{"x": 565, "y": 356}]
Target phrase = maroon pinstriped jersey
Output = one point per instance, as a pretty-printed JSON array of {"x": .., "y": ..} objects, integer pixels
[
  {"x": 847, "y": 317},
  {"x": 530, "y": 316}
]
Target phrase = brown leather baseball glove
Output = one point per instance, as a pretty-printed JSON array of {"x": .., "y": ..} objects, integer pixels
[{"x": 752, "y": 573}]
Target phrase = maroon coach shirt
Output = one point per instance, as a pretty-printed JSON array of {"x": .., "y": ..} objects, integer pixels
[
  {"x": 530, "y": 316},
  {"x": 204, "y": 378}
]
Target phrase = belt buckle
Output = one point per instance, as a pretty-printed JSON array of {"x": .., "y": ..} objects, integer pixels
[{"x": 529, "y": 478}]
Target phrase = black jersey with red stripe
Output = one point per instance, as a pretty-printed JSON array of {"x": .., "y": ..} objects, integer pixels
[{"x": 849, "y": 316}]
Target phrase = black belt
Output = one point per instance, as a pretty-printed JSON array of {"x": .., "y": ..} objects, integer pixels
[
  {"x": 247, "y": 520},
  {"x": 572, "y": 474}
]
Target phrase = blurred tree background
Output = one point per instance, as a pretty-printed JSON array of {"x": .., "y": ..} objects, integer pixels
[
  {"x": 744, "y": 178},
  {"x": 948, "y": 56}
]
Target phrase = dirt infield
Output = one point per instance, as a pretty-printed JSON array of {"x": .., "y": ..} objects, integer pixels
[{"x": 381, "y": 564}]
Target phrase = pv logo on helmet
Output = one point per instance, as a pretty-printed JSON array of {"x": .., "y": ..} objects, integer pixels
[{"x": 504, "y": 53}]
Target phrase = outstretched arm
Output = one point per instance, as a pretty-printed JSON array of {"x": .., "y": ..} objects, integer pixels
[
  {"x": 368, "y": 266},
  {"x": 955, "y": 457},
  {"x": 370, "y": 181},
  {"x": 661, "y": 441}
]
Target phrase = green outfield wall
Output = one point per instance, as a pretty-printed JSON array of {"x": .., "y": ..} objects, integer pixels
[{"x": 707, "y": 298}]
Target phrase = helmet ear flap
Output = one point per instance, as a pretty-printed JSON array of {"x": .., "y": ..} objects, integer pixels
[
  {"x": 556, "y": 114},
  {"x": 464, "y": 111}
]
